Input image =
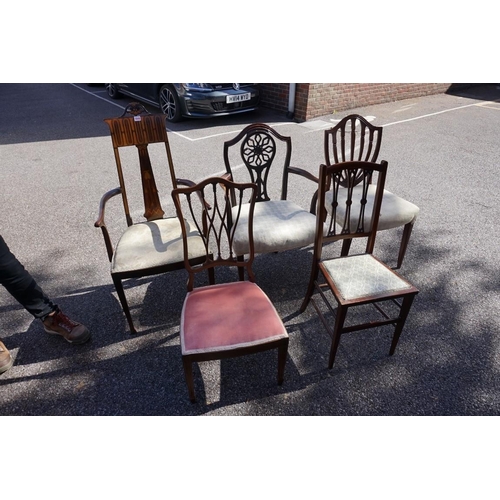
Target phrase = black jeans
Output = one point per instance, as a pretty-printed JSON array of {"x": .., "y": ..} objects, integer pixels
[{"x": 21, "y": 285}]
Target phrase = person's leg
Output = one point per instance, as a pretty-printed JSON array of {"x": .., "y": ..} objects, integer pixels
[{"x": 22, "y": 286}]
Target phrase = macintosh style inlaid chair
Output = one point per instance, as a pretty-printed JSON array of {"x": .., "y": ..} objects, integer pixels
[
  {"x": 279, "y": 225},
  {"x": 154, "y": 245},
  {"x": 232, "y": 318},
  {"x": 356, "y": 139},
  {"x": 353, "y": 280}
]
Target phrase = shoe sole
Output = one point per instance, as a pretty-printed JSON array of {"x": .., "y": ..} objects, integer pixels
[
  {"x": 8, "y": 366},
  {"x": 82, "y": 341}
]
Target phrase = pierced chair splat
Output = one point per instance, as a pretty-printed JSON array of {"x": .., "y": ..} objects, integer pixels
[
  {"x": 354, "y": 280},
  {"x": 354, "y": 138},
  {"x": 279, "y": 224},
  {"x": 233, "y": 318},
  {"x": 152, "y": 246}
]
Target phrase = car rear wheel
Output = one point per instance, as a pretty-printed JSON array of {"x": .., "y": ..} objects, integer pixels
[
  {"x": 169, "y": 103},
  {"x": 112, "y": 90}
]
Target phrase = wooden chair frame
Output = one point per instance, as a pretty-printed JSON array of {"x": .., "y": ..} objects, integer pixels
[
  {"x": 333, "y": 177},
  {"x": 137, "y": 127},
  {"x": 218, "y": 226}
]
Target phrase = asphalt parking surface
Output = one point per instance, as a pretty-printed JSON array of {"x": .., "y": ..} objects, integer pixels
[{"x": 57, "y": 161}]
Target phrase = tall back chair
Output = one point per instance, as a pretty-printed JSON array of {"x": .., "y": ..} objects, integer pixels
[
  {"x": 356, "y": 139},
  {"x": 232, "y": 318},
  {"x": 345, "y": 212},
  {"x": 152, "y": 246},
  {"x": 279, "y": 224}
]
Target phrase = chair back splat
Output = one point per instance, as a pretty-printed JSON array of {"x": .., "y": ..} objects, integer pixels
[
  {"x": 137, "y": 127},
  {"x": 213, "y": 213}
]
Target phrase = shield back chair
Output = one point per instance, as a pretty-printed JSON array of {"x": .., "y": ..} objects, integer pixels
[
  {"x": 354, "y": 280},
  {"x": 278, "y": 225},
  {"x": 154, "y": 245},
  {"x": 356, "y": 139},
  {"x": 232, "y": 318}
]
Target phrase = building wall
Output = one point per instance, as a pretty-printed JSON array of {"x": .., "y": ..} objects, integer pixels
[{"x": 317, "y": 99}]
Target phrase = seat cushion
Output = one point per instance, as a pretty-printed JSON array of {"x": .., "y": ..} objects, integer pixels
[
  {"x": 359, "y": 276},
  {"x": 151, "y": 244},
  {"x": 228, "y": 316},
  {"x": 395, "y": 211},
  {"x": 277, "y": 225}
]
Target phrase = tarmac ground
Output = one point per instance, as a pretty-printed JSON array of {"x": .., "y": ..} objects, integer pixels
[{"x": 57, "y": 161}]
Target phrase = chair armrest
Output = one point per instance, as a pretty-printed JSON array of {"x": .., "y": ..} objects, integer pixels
[
  {"x": 303, "y": 173},
  {"x": 100, "y": 221},
  {"x": 102, "y": 205}
]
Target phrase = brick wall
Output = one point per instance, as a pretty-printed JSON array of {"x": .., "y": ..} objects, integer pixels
[{"x": 317, "y": 99}]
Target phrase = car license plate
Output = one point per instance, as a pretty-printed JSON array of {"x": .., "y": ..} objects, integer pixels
[{"x": 238, "y": 97}]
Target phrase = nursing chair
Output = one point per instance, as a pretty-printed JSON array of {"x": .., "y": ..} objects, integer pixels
[
  {"x": 279, "y": 224},
  {"x": 347, "y": 211},
  {"x": 232, "y": 318},
  {"x": 356, "y": 139},
  {"x": 154, "y": 245}
]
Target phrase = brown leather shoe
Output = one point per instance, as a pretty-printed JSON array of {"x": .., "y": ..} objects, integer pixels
[
  {"x": 60, "y": 324},
  {"x": 6, "y": 360}
]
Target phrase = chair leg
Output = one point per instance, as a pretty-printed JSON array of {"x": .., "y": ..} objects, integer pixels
[
  {"x": 241, "y": 270},
  {"x": 339, "y": 323},
  {"x": 310, "y": 288},
  {"x": 282, "y": 353},
  {"x": 405, "y": 309},
  {"x": 404, "y": 242},
  {"x": 188, "y": 374},
  {"x": 346, "y": 245},
  {"x": 123, "y": 301}
]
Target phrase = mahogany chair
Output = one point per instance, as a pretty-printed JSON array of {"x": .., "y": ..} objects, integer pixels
[
  {"x": 356, "y": 139},
  {"x": 346, "y": 212},
  {"x": 154, "y": 245},
  {"x": 233, "y": 318},
  {"x": 278, "y": 224}
]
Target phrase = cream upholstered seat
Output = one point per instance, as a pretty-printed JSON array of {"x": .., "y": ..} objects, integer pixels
[
  {"x": 360, "y": 276},
  {"x": 278, "y": 224},
  {"x": 154, "y": 246},
  {"x": 352, "y": 208},
  {"x": 233, "y": 318},
  {"x": 395, "y": 211},
  {"x": 151, "y": 244}
]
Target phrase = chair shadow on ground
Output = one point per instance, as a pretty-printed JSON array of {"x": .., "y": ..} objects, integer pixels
[{"x": 445, "y": 355}]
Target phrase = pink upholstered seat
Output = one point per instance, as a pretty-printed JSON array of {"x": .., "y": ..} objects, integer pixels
[{"x": 228, "y": 316}]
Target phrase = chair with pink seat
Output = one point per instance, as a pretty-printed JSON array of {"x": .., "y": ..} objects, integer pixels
[{"x": 233, "y": 318}]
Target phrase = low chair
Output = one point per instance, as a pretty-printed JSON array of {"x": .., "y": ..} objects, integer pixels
[
  {"x": 279, "y": 225},
  {"x": 346, "y": 211},
  {"x": 154, "y": 245},
  {"x": 232, "y": 318},
  {"x": 356, "y": 139}
]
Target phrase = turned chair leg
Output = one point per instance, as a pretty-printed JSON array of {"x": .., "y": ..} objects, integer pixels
[{"x": 404, "y": 242}]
